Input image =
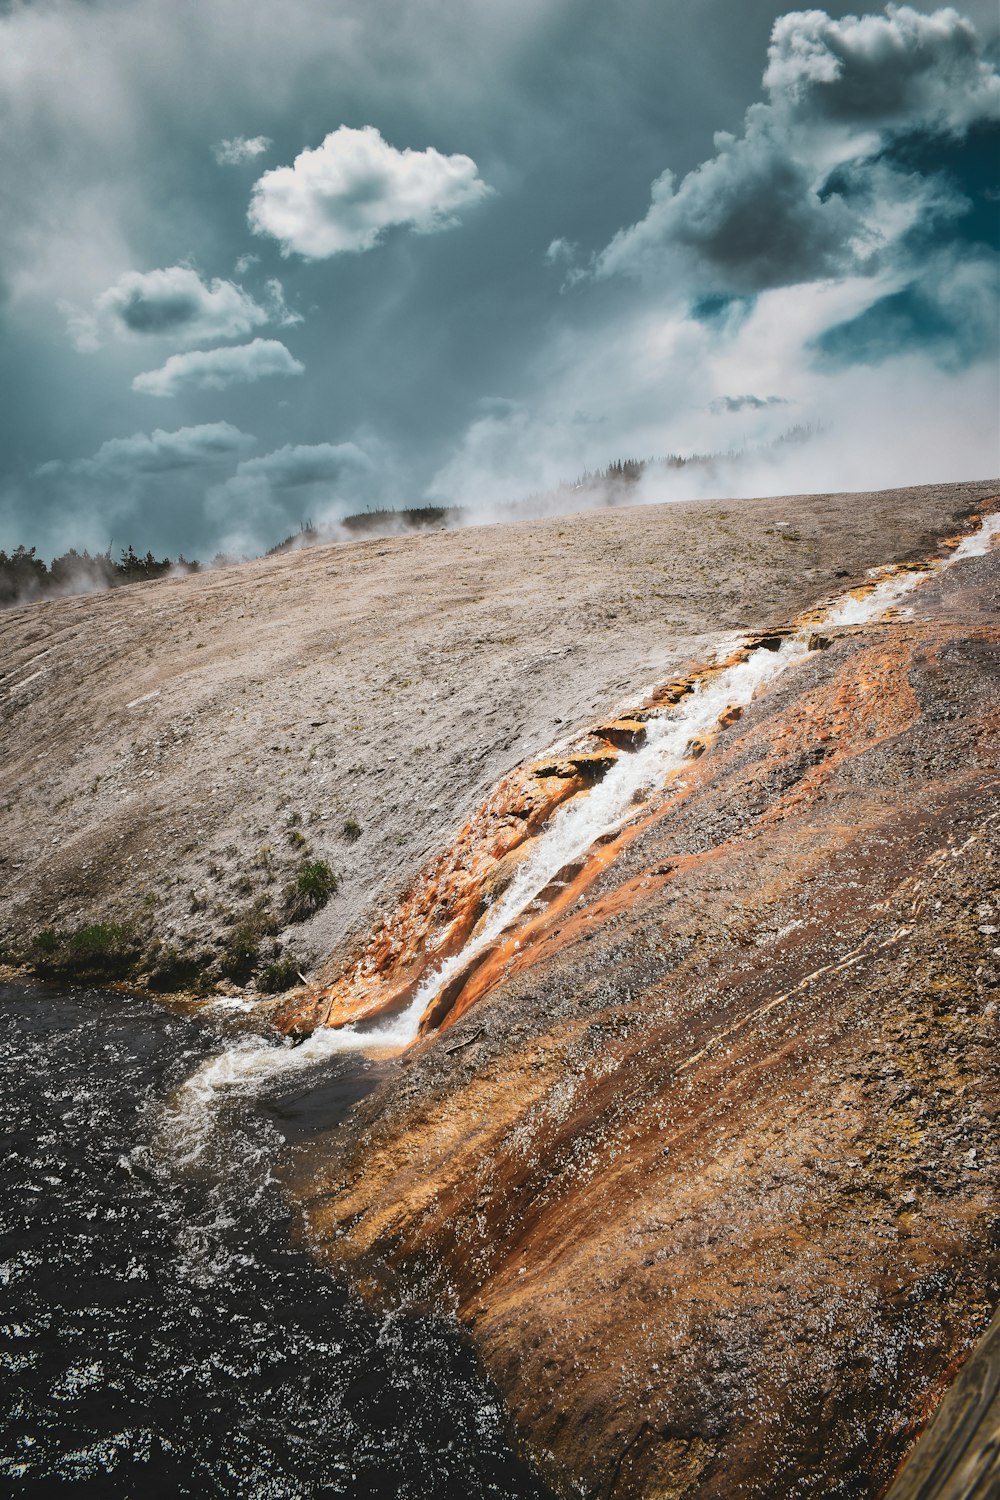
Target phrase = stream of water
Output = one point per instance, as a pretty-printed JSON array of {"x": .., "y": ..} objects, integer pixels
[
  {"x": 159, "y": 1336},
  {"x": 253, "y": 1064}
]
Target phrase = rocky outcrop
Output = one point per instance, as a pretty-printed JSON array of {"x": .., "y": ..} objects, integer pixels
[
  {"x": 958, "y": 1458},
  {"x": 706, "y": 1157}
]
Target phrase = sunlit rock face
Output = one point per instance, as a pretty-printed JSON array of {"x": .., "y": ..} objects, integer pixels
[{"x": 707, "y": 1158}]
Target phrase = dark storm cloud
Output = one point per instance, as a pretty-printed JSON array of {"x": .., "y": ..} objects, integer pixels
[
  {"x": 769, "y": 209},
  {"x": 749, "y": 219},
  {"x": 142, "y": 165},
  {"x": 137, "y": 485},
  {"x": 896, "y": 70}
]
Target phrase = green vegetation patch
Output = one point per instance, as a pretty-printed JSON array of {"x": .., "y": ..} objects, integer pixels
[
  {"x": 280, "y": 974},
  {"x": 241, "y": 954},
  {"x": 96, "y": 950},
  {"x": 309, "y": 890}
]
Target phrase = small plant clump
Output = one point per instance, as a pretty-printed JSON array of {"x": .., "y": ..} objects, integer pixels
[
  {"x": 95, "y": 950},
  {"x": 168, "y": 968},
  {"x": 309, "y": 890},
  {"x": 278, "y": 975},
  {"x": 352, "y": 829},
  {"x": 242, "y": 951}
]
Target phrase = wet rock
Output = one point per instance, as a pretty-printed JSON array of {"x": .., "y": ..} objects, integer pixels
[{"x": 627, "y": 734}]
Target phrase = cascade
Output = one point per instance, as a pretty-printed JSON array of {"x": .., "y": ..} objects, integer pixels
[{"x": 671, "y": 739}]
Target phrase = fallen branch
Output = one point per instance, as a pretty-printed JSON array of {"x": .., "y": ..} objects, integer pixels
[{"x": 467, "y": 1043}]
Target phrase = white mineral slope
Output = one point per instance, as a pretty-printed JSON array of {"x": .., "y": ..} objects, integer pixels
[
  {"x": 165, "y": 748},
  {"x": 255, "y": 1063}
]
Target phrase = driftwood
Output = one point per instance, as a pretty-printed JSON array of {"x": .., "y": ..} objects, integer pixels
[{"x": 958, "y": 1457}]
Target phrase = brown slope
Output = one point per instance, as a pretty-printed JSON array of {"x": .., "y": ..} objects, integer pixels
[{"x": 715, "y": 1185}]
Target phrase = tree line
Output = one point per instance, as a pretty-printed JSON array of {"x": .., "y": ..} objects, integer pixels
[{"x": 24, "y": 576}]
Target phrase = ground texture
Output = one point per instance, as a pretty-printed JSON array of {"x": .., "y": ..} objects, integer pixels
[
  {"x": 707, "y": 1162},
  {"x": 173, "y": 754}
]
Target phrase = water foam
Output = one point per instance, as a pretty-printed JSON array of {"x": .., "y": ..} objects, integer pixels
[{"x": 254, "y": 1063}]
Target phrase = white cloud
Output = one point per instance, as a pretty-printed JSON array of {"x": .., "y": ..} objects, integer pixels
[
  {"x": 901, "y": 69},
  {"x": 240, "y": 149},
  {"x": 344, "y": 194},
  {"x": 764, "y": 211},
  {"x": 173, "y": 302},
  {"x": 273, "y": 299},
  {"x": 215, "y": 369}
]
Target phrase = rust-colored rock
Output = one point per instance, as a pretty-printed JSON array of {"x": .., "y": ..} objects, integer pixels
[
  {"x": 441, "y": 909},
  {"x": 716, "y": 1190},
  {"x": 628, "y": 733}
]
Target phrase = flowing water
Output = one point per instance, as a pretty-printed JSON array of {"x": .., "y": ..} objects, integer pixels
[
  {"x": 253, "y": 1064},
  {"x": 159, "y": 1336}
]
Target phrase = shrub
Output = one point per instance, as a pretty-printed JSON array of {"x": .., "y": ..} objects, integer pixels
[
  {"x": 310, "y": 890},
  {"x": 352, "y": 829}
]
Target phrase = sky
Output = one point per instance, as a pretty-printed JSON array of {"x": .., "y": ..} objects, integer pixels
[{"x": 267, "y": 263}]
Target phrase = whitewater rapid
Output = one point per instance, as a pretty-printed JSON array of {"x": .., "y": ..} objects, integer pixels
[{"x": 253, "y": 1062}]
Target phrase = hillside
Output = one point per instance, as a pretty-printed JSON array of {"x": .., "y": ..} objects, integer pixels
[
  {"x": 175, "y": 753},
  {"x": 695, "y": 1133}
]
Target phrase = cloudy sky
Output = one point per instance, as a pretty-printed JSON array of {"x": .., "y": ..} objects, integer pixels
[{"x": 264, "y": 262}]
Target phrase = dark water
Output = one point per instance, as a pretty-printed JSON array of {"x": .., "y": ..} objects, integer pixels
[{"x": 158, "y": 1335}]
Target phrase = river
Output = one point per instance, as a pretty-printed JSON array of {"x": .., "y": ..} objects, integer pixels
[{"x": 159, "y": 1333}]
